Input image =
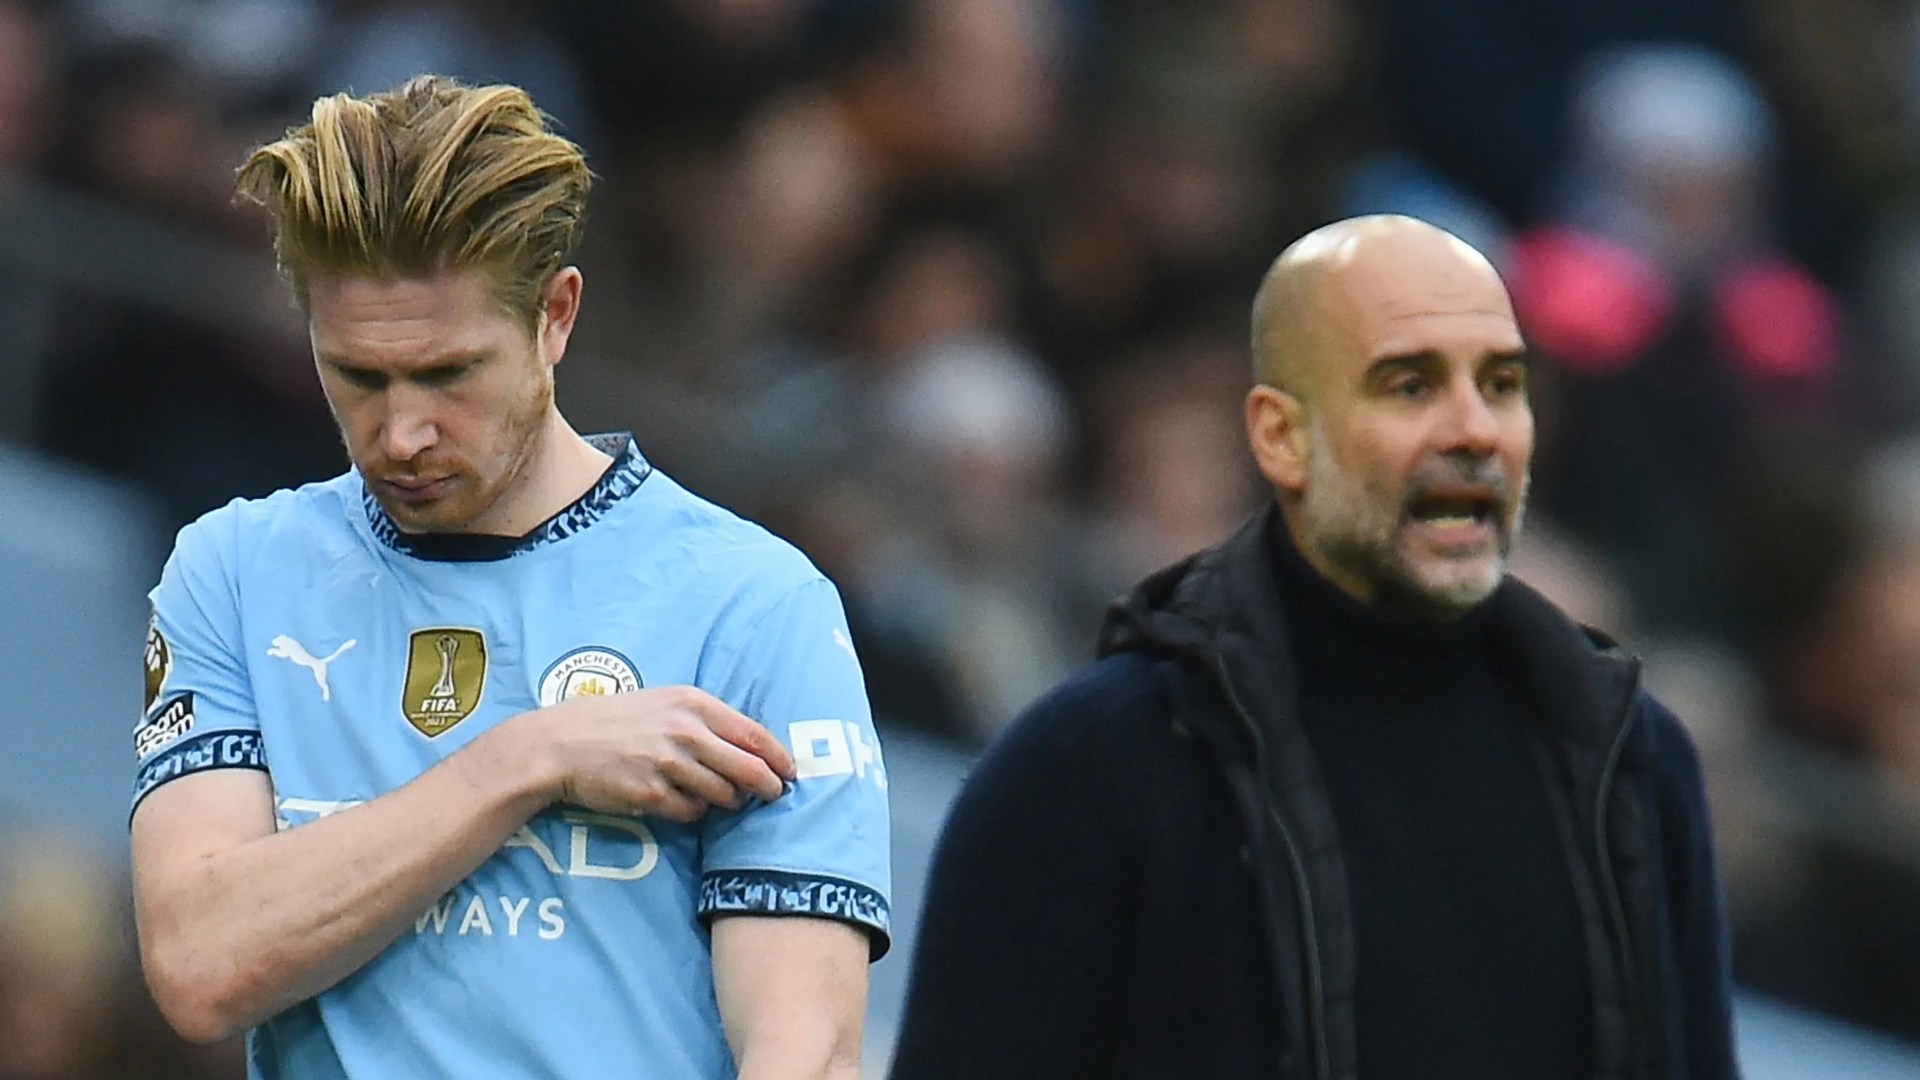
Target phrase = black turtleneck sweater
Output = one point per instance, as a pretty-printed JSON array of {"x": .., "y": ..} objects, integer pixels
[{"x": 1469, "y": 940}]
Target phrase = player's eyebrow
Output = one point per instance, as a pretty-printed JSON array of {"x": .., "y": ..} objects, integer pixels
[{"x": 439, "y": 367}]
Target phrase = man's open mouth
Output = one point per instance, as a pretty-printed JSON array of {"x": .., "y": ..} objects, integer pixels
[{"x": 1456, "y": 508}]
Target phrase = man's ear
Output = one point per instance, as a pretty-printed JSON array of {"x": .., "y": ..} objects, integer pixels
[
  {"x": 559, "y": 306},
  {"x": 1278, "y": 435}
]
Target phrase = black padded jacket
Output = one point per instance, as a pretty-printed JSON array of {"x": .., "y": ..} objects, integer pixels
[{"x": 1141, "y": 879}]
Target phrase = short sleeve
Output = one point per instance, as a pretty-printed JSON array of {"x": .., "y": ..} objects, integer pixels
[
  {"x": 199, "y": 711},
  {"x": 820, "y": 850}
]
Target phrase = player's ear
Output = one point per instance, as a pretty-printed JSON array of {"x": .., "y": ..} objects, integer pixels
[{"x": 559, "y": 307}]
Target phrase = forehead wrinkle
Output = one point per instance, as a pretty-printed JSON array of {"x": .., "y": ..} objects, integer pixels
[
  {"x": 1370, "y": 308},
  {"x": 404, "y": 324},
  {"x": 1441, "y": 313},
  {"x": 402, "y": 337}
]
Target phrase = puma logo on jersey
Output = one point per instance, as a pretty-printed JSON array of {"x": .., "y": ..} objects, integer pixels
[{"x": 285, "y": 648}]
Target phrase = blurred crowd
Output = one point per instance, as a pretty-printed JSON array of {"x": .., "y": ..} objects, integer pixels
[{"x": 953, "y": 293}]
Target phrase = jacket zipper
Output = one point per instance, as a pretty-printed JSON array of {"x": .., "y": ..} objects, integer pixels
[
  {"x": 1616, "y": 909},
  {"x": 1316, "y": 1007}
]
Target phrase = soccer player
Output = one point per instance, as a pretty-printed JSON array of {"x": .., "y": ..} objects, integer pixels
[{"x": 447, "y": 767}]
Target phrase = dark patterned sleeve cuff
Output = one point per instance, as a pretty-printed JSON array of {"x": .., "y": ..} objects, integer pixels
[
  {"x": 783, "y": 892},
  {"x": 201, "y": 753}
]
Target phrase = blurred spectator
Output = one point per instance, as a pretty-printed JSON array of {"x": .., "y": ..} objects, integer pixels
[
  {"x": 1481, "y": 88},
  {"x": 253, "y": 48},
  {"x": 59, "y": 952},
  {"x": 1851, "y": 73},
  {"x": 1844, "y": 74},
  {"x": 983, "y": 432},
  {"x": 29, "y": 118},
  {"x": 843, "y": 522},
  {"x": 193, "y": 411},
  {"x": 801, "y": 199},
  {"x": 1214, "y": 134},
  {"x": 1821, "y": 800},
  {"x": 377, "y": 44},
  {"x": 973, "y": 96},
  {"x": 1169, "y": 472},
  {"x": 1842, "y": 940},
  {"x": 1576, "y": 579},
  {"x": 71, "y": 1003},
  {"x": 1162, "y": 220},
  {"x": 1847, "y": 69},
  {"x": 1850, "y": 672},
  {"x": 192, "y": 414},
  {"x": 27, "y": 66},
  {"x": 930, "y": 447},
  {"x": 146, "y": 130},
  {"x": 674, "y": 74},
  {"x": 1681, "y": 337}
]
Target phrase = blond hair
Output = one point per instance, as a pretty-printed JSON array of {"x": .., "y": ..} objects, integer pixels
[{"x": 429, "y": 177}]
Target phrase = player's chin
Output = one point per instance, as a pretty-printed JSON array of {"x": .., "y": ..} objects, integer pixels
[{"x": 435, "y": 515}]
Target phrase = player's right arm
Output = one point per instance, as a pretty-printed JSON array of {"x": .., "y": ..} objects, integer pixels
[{"x": 238, "y": 921}]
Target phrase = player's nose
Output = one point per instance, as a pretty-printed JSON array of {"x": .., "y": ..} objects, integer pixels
[{"x": 408, "y": 429}]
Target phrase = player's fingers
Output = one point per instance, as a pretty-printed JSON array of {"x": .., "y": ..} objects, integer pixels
[
  {"x": 741, "y": 768},
  {"x": 655, "y": 792},
  {"x": 665, "y": 800},
  {"x": 723, "y": 720},
  {"x": 695, "y": 779}
]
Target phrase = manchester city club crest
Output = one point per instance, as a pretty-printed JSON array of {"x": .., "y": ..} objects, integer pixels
[{"x": 589, "y": 671}]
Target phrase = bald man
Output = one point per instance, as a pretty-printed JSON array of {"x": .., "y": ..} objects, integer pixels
[{"x": 1341, "y": 800}]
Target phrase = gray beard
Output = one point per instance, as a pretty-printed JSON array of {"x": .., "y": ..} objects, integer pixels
[{"x": 1364, "y": 546}]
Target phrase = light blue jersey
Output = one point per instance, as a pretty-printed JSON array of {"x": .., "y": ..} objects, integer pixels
[{"x": 304, "y": 635}]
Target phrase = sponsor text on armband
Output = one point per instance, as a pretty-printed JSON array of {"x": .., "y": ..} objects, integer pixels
[
  {"x": 208, "y": 750},
  {"x": 174, "y": 719},
  {"x": 779, "y": 892}
]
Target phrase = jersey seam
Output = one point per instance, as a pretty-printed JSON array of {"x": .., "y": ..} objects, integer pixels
[
  {"x": 739, "y": 645},
  {"x": 810, "y": 872}
]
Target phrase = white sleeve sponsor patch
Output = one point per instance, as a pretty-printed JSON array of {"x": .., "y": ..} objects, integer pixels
[
  {"x": 834, "y": 748},
  {"x": 172, "y": 720}
]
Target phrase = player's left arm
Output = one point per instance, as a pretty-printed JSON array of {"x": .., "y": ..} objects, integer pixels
[
  {"x": 792, "y": 993},
  {"x": 796, "y": 891}
]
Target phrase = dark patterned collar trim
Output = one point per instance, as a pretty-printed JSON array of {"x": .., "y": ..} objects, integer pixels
[{"x": 622, "y": 478}]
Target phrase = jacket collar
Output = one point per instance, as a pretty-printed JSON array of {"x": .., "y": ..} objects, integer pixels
[{"x": 1222, "y": 608}]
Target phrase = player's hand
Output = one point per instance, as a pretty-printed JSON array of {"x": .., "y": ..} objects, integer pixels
[{"x": 673, "y": 752}]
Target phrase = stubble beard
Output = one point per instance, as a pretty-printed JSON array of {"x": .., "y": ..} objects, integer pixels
[
  {"x": 474, "y": 494},
  {"x": 1363, "y": 533}
]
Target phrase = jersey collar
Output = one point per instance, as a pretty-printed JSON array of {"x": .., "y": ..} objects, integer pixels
[{"x": 623, "y": 477}]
